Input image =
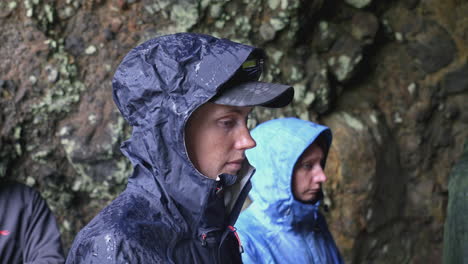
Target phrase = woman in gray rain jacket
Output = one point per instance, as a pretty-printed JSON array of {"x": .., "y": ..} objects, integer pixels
[{"x": 172, "y": 211}]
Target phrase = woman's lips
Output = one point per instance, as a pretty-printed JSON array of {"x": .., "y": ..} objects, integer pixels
[
  {"x": 234, "y": 165},
  {"x": 315, "y": 191}
]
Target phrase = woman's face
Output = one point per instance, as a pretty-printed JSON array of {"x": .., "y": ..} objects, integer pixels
[
  {"x": 216, "y": 137},
  {"x": 308, "y": 174}
]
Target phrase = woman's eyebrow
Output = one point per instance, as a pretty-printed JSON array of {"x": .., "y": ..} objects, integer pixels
[
  {"x": 237, "y": 111},
  {"x": 314, "y": 157}
]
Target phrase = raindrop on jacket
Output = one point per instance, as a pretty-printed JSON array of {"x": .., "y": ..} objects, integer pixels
[
  {"x": 169, "y": 212},
  {"x": 276, "y": 228}
]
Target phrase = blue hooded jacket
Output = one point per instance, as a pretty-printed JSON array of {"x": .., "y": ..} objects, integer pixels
[
  {"x": 169, "y": 212},
  {"x": 276, "y": 228}
]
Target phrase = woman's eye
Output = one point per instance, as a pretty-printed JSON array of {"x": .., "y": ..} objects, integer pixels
[
  {"x": 227, "y": 123},
  {"x": 306, "y": 166}
]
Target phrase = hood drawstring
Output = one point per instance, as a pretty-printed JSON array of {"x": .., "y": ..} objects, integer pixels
[
  {"x": 222, "y": 181},
  {"x": 203, "y": 240},
  {"x": 233, "y": 229},
  {"x": 321, "y": 204},
  {"x": 209, "y": 236}
]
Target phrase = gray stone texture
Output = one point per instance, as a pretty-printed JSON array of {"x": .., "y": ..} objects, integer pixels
[
  {"x": 389, "y": 78},
  {"x": 456, "y": 81}
]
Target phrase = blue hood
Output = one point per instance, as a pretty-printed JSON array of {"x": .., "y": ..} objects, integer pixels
[
  {"x": 280, "y": 143},
  {"x": 276, "y": 228}
]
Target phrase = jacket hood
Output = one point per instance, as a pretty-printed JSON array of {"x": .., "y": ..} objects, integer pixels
[
  {"x": 280, "y": 143},
  {"x": 156, "y": 88}
]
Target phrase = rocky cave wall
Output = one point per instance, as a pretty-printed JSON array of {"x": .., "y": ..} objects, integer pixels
[{"x": 389, "y": 77}]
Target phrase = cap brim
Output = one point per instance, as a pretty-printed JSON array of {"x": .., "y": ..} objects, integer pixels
[{"x": 256, "y": 94}]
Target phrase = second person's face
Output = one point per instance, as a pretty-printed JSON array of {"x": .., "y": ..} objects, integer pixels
[
  {"x": 308, "y": 174},
  {"x": 216, "y": 137}
]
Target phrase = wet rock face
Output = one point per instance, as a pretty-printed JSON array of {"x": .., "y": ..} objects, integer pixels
[
  {"x": 427, "y": 42},
  {"x": 431, "y": 46},
  {"x": 358, "y": 3},
  {"x": 390, "y": 79},
  {"x": 456, "y": 81}
]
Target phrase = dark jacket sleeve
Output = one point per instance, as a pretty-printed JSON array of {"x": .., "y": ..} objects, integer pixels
[
  {"x": 103, "y": 249},
  {"x": 41, "y": 236},
  {"x": 109, "y": 248}
]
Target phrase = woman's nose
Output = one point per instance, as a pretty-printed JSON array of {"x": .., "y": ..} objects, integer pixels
[
  {"x": 319, "y": 175},
  {"x": 245, "y": 140}
]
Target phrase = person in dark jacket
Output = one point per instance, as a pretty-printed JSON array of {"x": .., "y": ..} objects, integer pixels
[
  {"x": 187, "y": 97},
  {"x": 28, "y": 230},
  {"x": 283, "y": 224}
]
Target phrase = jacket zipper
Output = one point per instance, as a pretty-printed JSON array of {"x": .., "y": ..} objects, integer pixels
[{"x": 234, "y": 230}]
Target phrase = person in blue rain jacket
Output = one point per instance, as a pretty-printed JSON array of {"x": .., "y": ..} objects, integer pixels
[
  {"x": 283, "y": 224},
  {"x": 187, "y": 97}
]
